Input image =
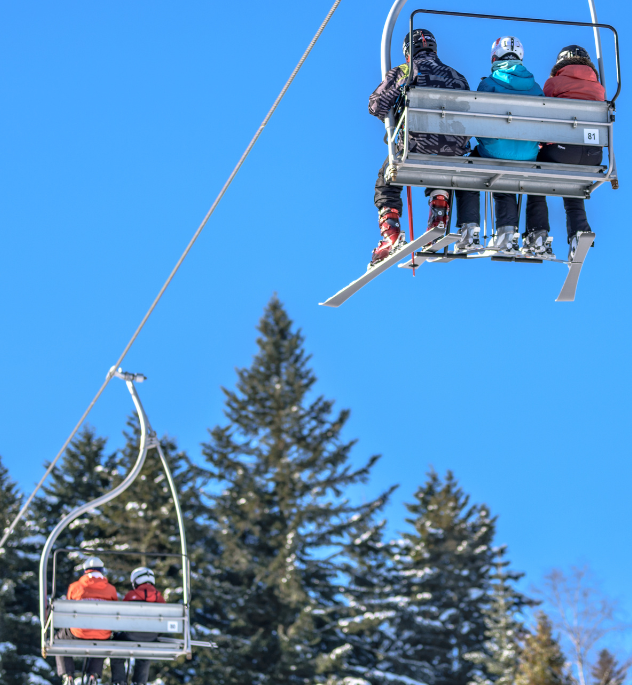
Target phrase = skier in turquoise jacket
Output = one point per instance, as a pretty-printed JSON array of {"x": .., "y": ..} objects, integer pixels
[{"x": 509, "y": 76}]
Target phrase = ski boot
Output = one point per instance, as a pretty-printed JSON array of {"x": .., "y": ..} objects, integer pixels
[
  {"x": 469, "y": 241},
  {"x": 93, "y": 679},
  {"x": 393, "y": 237},
  {"x": 505, "y": 242},
  {"x": 67, "y": 679},
  {"x": 537, "y": 244},
  {"x": 439, "y": 209}
]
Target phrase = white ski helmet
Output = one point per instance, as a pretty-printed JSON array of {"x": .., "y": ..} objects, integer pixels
[
  {"x": 141, "y": 575},
  {"x": 93, "y": 564},
  {"x": 507, "y": 47}
]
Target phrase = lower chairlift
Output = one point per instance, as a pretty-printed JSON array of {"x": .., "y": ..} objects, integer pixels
[
  {"x": 493, "y": 115},
  {"x": 170, "y": 620}
]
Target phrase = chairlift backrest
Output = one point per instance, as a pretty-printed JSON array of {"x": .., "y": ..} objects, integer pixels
[
  {"x": 170, "y": 619},
  {"x": 518, "y": 117}
]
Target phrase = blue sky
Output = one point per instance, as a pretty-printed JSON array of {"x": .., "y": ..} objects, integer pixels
[{"x": 120, "y": 123}]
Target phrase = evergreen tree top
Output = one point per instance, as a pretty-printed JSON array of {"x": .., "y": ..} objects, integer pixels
[
  {"x": 607, "y": 671},
  {"x": 542, "y": 661}
]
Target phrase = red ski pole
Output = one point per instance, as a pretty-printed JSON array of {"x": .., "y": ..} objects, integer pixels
[{"x": 409, "y": 195}]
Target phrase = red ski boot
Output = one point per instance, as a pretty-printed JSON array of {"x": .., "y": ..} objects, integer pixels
[
  {"x": 393, "y": 237},
  {"x": 439, "y": 209}
]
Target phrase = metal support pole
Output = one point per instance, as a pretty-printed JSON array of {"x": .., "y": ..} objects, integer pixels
[
  {"x": 94, "y": 504},
  {"x": 593, "y": 16}
]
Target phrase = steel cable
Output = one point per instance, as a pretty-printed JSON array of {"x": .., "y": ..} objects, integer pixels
[{"x": 196, "y": 235}]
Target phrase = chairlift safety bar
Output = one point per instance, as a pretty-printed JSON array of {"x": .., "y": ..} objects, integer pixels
[{"x": 535, "y": 21}]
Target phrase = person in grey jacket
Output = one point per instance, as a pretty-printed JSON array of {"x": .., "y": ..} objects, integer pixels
[{"x": 428, "y": 71}]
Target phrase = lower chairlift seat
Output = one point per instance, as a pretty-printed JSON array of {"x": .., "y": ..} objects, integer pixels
[{"x": 169, "y": 619}]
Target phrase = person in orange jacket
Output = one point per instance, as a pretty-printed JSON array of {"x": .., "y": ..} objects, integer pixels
[
  {"x": 92, "y": 585},
  {"x": 143, "y": 590}
]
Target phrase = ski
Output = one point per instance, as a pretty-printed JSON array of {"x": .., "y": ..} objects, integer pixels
[
  {"x": 425, "y": 255},
  {"x": 567, "y": 294},
  {"x": 343, "y": 295}
]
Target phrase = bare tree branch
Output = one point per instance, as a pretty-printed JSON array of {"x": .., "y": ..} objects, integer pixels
[{"x": 581, "y": 612}]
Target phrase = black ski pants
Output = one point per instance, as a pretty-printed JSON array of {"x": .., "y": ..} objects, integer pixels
[
  {"x": 468, "y": 206},
  {"x": 576, "y": 219},
  {"x": 141, "y": 666},
  {"x": 66, "y": 664},
  {"x": 140, "y": 675}
]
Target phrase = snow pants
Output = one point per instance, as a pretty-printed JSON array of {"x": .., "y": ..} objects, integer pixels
[
  {"x": 140, "y": 675},
  {"x": 66, "y": 664},
  {"x": 141, "y": 666},
  {"x": 468, "y": 206},
  {"x": 576, "y": 219}
]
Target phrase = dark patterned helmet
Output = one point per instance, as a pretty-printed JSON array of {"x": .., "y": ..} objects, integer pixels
[
  {"x": 572, "y": 51},
  {"x": 422, "y": 40}
]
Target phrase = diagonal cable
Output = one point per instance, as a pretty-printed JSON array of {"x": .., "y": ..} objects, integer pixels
[{"x": 196, "y": 235}]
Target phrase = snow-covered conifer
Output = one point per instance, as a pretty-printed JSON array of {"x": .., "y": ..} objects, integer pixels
[
  {"x": 19, "y": 624},
  {"x": 279, "y": 470}
]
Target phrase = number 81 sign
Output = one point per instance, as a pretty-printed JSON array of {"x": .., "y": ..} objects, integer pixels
[{"x": 591, "y": 136}]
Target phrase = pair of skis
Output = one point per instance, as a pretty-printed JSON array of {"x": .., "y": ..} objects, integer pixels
[{"x": 429, "y": 253}]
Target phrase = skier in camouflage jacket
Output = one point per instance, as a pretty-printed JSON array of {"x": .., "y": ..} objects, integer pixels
[{"x": 428, "y": 72}]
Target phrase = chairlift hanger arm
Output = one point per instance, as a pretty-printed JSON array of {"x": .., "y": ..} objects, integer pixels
[
  {"x": 147, "y": 440},
  {"x": 474, "y": 15}
]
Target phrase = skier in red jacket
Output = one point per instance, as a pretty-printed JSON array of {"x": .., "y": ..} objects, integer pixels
[
  {"x": 143, "y": 590},
  {"x": 573, "y": 76},
  {"x": 92, "y": 585}
]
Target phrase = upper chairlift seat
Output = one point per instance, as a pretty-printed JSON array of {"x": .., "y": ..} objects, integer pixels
[{"x": 497, "y": 115}]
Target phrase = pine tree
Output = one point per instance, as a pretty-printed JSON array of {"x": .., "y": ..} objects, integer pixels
[
  {"x": 607, "y": 671},
  {"x": 444, "y": 570},
  {"x": 372, "y": 606},
  {"x": 280, "y": 470},
  {"x": 542, "y": 661},
  {"x": 501, "y": 658},
  {"x": 19, "y": 620}
]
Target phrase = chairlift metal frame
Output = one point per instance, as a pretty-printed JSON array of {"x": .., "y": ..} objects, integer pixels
[
  {"x": 119, "y": 616},
  {"x": 470, "y": 113}
]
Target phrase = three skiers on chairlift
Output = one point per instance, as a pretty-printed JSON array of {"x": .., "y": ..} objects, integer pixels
[
  {"x": 93, "y": 584},
  {"x": 573, "y": 76}
]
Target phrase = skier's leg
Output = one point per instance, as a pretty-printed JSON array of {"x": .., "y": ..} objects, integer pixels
[
  {"x": 95, "y": 667},
  {"x": 65, "y": 665},
  {"x": 141, "y": 671},
  {"x": 388, "y": 200},
  {"x": 468, "y": 212},
  {"x": 387, "y": 195},
  {"x": 585, "y": 155},
  {"x": 576, "y": 222},
  {"x": 535, "y": 238},
  {"x": 118, "y": 671},
  {"x": 505, "y": 240}
]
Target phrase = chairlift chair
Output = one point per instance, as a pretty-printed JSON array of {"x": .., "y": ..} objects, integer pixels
[
  {"x": 493, "y": 115},
  {"x": 171, "y": 620},
  {"x": 500, "y": 115}
]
